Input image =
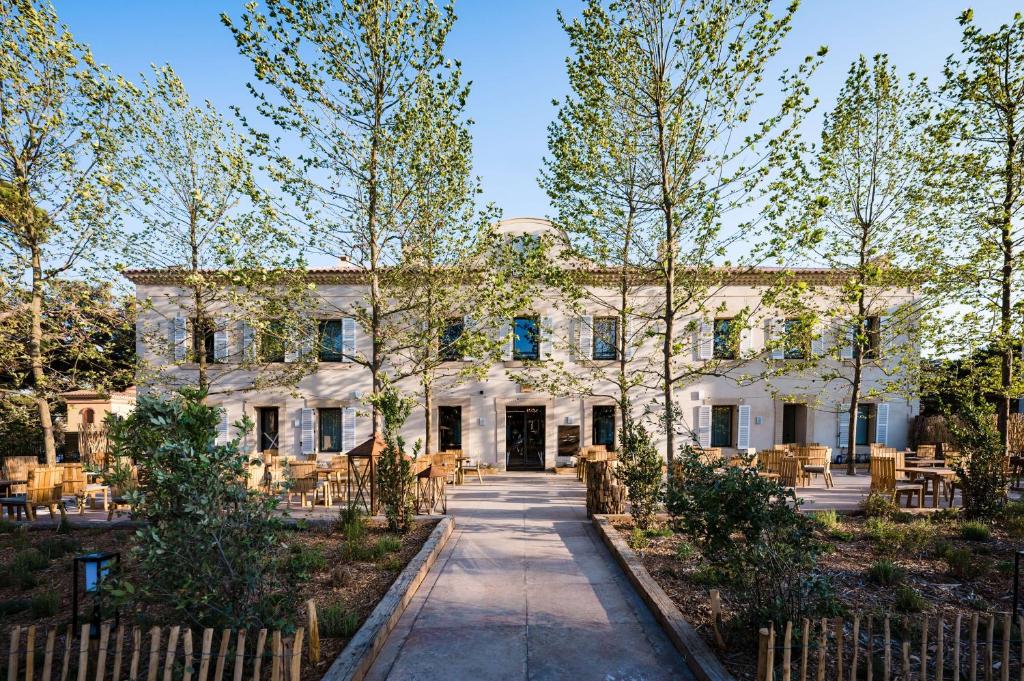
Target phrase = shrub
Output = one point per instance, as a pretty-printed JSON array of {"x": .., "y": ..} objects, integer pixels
[
  {"x": 304, "y": 561},
  {"x": 337, "y": 621},
  {"x": 885, "y": 572},
  {"x": 637, "y": 539},
  {"x": 395, "y": 479},
  {"x": 829, "y": 520},
  {"x": 211, "y": 548},
  {"x": 388, "y": 544},
  {"x": 684, "y": 551},
  {"x": 29, "y": 560},
  {"x": 879, "y": 506},
  {"x": 14, "y": 605},
  {"x": 961, "y": 563},
  {"x": 909, "y": 599},
  {"x": 45, "y": 604},
  {"x": 351, "y": 523},
  {"x": 57, "y": 547},
  {"x": 918, "y": 535},
  {"x": 983, "y": 479},
  {"x": 975, "y": 531},
  {"x": 639, "y": 469},
  {"x": 887, "y": 536}
]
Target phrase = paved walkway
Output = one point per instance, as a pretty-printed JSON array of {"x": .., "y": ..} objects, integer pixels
[{"x": 526, "y": 590}]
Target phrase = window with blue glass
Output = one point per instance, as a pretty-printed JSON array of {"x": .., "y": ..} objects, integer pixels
[
  {"x": 330, "y": 430},
  {"x": 604, "y": 426},
  {"x": 721, "y": 425},
  {"x": 450, "y": 351},
  {"x": 725, "y": 346},
  {"x": 606, "y": 335},
  {"x": 331, "y": 347},
  {"x": 526, "y": 344},
  {"x": 796, "y": 335}
]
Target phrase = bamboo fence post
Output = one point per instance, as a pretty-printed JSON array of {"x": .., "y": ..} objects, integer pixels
[
  {"x": 225, "y": 639},
  {"x": 924, "y": 648},
  {"x": 65, "y": 663},
  {"x": 762, "y": 652},
  {"x": 1020, "y": 631},
  {"x": 840, "y": 634},
  {"x": 286, "y": 650},
  {"x": 906, "y": 659},
  {"x": 186, "y": 674},
  {"x": 133, "y": 671},
  {"x": 204, "y": 658},
  {"x": 887, "y": 657},
  {"x": 51, "y": 638},
  {"x": 275, "y": 655},
  {"x": 972, "y": 673},
  {"x": 990, "y": 637},
  {"x": 101, "y": 658},
  {"x": 856, "y": 648},
  {"x": 297, "y": 653},
  {"x": 239, "y": 655},
  {"x": 822, "y": 644},
  {"x": 118, "y": 652},
  {"x": 940, "y": 651},
  {"x": 803, "y": 651},
  {"x": 716, "y": 614},
  {"x": 83, "y": 653},
  {"x": 870, "y": 651},
  {"x": 12, "y": 655},
  {"x": 30, "y": 653},
  {"x": 155, "y": 634},
  {"x": 1007, "y": 631},
  {"x": 314, "y": 631},
  {"x": 956, "y": 648},
  {"x": 261, "y": 641},
  {"x": 172, "y": 651},
  {"x": 787, "y": 652}
]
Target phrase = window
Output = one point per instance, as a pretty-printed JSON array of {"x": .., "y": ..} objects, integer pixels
[
  {"x": 724, "y": 347},
  {"x": 606, "y": 337},
  {"x": 268, "y": 435},
  {"x": 330, "y": 430},
  {"x": 203, "y": 339},
  {"x": 721, "y": 425},
  {"x": 450, "y": 351},
  {"x": 88, "y": 416},
  {"x": 526, "y": 344},
  {"x": 449, "y": 428},
  {"x": 795, "y": 348},
  {"x": 604, "y": 426},
  {"x": 873, "y": 330},
  {"x": 272, "y": 342},
  {"x": 331, "y": 347},
  {"x": 865, "y": 421}
]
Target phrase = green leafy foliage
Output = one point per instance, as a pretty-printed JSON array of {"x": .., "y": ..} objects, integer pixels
[
  {"x": 909, "y": 599},
  {"x": 45, "y": 604},
  {"x": 639, "y": 469},
  {"x": 981, "y": 471},
  {"x": 879, "y": 506},
  {"x": 885, "y": 572},
  {"x": 337, "y": 621},
  {"x": 975, "y": 531},
  {"x": 395, "y": 479},
  {"x": 961, "y": 563}
]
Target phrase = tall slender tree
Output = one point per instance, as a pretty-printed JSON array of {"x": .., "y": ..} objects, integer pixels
[{"x": 56, "y": 106}]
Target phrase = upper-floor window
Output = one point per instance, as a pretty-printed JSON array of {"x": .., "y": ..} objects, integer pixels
[
  {"x": 332, "y": 348},
  {"x": 203, "y": 339},
  {"x": 606, "y": 335},
  {"x": 724, "y": 341},
  {"x": 526, "y": 343},
  {"x": 795, "y": 346},
  {"x": 272, "y": 342},
  {"x": 873, "y": 330},
  {"x": 88, "y": 416},
  {"x": 450, "y": 336}
]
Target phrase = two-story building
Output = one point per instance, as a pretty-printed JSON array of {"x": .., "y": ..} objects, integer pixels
[{"x": 508, "y": 424}]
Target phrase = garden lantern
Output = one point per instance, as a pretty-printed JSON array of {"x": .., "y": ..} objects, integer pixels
[{"x": 90, "y": 570}]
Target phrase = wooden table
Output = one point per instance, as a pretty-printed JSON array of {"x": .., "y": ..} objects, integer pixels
[
  {"x": 917, "y": 463},
  {"x": 6, "y": 485},
  {"x": 323, "y": 474},
  {"x": 936, "y": 475},
  {"x": 460, "y": 475}
]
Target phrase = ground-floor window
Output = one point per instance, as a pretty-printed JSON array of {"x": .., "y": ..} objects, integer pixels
[
  {"x": 449, "y": 428},
  {"x": 604, "y": 426},
  {"x": 865, "y": 420},
  {"x": 721, "y": 425},
  {"x": 330, "y": 430}
]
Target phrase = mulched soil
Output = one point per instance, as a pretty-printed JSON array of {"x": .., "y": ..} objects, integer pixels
[
  {"x": 358, "y": 584},
  {"x": 984, "y": 582}
]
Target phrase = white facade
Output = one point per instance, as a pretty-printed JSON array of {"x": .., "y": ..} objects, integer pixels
[{"x": 757, "y": 413}]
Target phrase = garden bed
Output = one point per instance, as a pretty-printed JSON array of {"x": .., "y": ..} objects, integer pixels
[
  {"x": 901, "y": 566},
  {"x": 346, "y": 582}
]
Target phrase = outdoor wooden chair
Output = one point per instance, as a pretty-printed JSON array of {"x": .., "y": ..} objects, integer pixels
[
  {"x": 883, "y": 481},
  {"x": 789, "y": 471},
  {"x": 473, "y": 465},
  {"x": 121, "y": 494},
  {"x": 17, "y": 468},
  {"x": 819, "y": 462},
  {"x": 744, "y": 459},
  {"x": 926, "y": 452},
  {"x": 952, "y": 459},
  {"x": 304, "y": 482},
  {"x": 76, "y": 484},
  {"x": 710, "y": 455},
  {"x": 43, "y": 490},
  {"x": 770, "y": 460}
]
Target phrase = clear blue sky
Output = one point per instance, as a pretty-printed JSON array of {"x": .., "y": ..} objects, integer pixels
[{"x": 514, "y": 53}]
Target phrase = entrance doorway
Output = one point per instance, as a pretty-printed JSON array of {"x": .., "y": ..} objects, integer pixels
[
  {"x": 449, "y": 428},
  {"x": 794, "y": 424},
  {"x": 268, "y": 436},
  {"x": 524, "y": 438}
]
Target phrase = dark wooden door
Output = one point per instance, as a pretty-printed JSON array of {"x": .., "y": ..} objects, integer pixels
[
  {"x": 524, "y": 438},
  {"x": 449, "y": 428}
]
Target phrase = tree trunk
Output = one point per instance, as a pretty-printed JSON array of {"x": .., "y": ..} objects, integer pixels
[
  {"x": 859, "y": 346},
  {"x": 428, "y": 407},
  {"x": 36, "y": 357},
  {"x": 1006, "y": 301}
]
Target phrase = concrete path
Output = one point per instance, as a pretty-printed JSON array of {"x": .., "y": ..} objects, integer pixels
[{"x": 525, "y": 590}]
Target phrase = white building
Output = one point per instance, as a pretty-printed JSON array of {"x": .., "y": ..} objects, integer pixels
[{"x": 505, "y": 423}]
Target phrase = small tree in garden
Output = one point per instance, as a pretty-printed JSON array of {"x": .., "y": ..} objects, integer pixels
[
  {"x": 395, "y": 477},
  {"x": 210, "y": 547},
  {"x": 639, "y": 470},
  {"x": 981, "y": 466}
]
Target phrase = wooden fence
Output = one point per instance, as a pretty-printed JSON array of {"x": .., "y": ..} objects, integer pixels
[
  {"x": 158, "y": 654},
  {"x": 969, "y": 648}
]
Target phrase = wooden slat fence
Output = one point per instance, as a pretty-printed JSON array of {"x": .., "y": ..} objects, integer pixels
[
  {"x": 155, "y": 654},
  {"x": 967, "y": 647}
]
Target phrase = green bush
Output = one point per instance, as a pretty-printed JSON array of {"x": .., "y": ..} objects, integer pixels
[
  {"x": 639, "y": 469},
  {"x": 887, "y": 535},
  {"x": 829, "y": 520},
  {"x": 909, "y": 600},
  {"x": 637, "y": 539},
  {"x": 350, "y": 523},
  {"x": 879, "y": 506},
  {"x": 684, "y": 551},
  {"x": 305, "y": 561},
  {"x": 388, "y": 544},
  {"x": 337, "y": 621},
  {"x": 395, "y": 479},
  {"x": 885, "y": 572},
  {"x": 45, "y": 604},
  {"x": 961, "y": 563},
  {"x": 918, "y": 536},
  {"x": 975, "y": 531},
  {"x": 57, "y": 547},
  {"x": 211, "y": 549},
  {"x": 29, "y": 560},
  {"x": 14, "y": 605},
  {"x": 983, "y": 479}
]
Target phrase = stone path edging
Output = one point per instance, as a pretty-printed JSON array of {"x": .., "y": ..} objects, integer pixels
[
  {"x": 702, "y": 661},
  {"x": 354, "y": 661}
]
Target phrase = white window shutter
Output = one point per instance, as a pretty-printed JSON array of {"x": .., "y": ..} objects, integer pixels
[
  {"x": 743, "y": 426},
  {"x": 179, "y": 339},
  {"x": 745, "y": 344},
  {"x": 222, "y": 427},
  {"x": 844, "y": 425},
  {"x": 308, "y": 341},
  {"x": 818, "y": 341},
  {"x": 704, "y": 425},
  {"x": 882, "y": 423},
  {"x": 705, "y": 340},
  {"x": 506, "y": 337},
  {"x": 220, "y": 340},
  {"x": 248, "y": 348},
  {"x": 468, "y": 328},
  {"x": 586, "y": 336},
  {"x": 776, "y": 332},
  {"x": 348, "y": 339},
  {"x": 348, "y": 428},
  {"x": 849, "y": 332},
  {"x": 308, "y": 432},
  {"x": 547, "y": 346}
]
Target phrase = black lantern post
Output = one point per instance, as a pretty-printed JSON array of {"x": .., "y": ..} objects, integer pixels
[{"x": 95, "y": 567}]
